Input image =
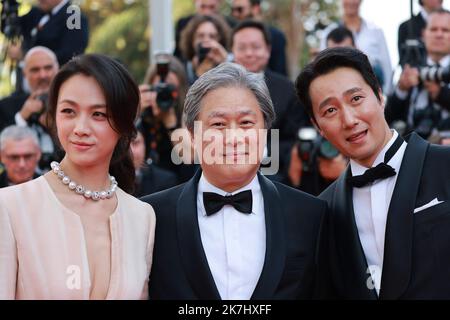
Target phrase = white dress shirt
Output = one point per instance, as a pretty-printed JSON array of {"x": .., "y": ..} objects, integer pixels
[
  {"x": 234, "y": 242},
  {"x": 371, "y": 205}
]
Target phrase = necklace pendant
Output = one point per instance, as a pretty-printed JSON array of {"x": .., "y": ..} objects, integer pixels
[
  {"x": 79, "y": 189},
  {"x": 95, "y": 195}
]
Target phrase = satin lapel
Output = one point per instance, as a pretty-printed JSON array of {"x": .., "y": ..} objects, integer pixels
[
  {"x": 275, "y": 241},
  {"x": 352, "y": 261},
  {"x": 192, "y": 254},
  {"x": 399, "y": 224}
]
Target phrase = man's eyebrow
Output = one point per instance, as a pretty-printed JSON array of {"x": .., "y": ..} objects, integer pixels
[
  {"x": 352, "y": 91},
  {"x": 346, "y": 93},
  {"x": 325, "y": 102},
  {"x": 221, "y": 114}
]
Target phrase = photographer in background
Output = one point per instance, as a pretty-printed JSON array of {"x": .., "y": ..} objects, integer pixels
[
  {"x": 315, "y": 163},
  {"x": 423, "y": 104},
  {"x": 204, "y": 44},
  {"x": 29, "y": 110},
  {"x": 51, "y": 24},
  {"x": 412, "y": 29},
  {"x": 162, "y": 99}
]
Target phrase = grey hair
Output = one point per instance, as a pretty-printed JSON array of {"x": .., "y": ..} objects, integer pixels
[
  {"x": 17, "y": 133},
  {"x": 227, "y": 75}
]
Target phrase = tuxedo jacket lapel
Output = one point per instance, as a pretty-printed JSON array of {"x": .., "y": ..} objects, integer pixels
[
  {"x": 192, "y": 254},
  {"x": 352, "y": 269},
  {"x": 399, "y": 224},
  {"x": 275, "y": 241}
]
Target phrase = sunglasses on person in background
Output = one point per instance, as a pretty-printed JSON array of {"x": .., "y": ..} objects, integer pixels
[{"x": 238, "y": 10}]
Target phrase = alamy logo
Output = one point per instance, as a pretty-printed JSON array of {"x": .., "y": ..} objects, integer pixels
[
  {"x": 374, "y": 279},
  {"x": 73, "y": 281},
  {"x": 74, "y": 20},
  {"x": 226, "y": 147}
]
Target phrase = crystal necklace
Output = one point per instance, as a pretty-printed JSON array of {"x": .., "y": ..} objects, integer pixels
[{"x": 81, "y": 190}]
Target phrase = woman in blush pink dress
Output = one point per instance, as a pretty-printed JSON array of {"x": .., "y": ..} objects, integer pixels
[{"x": 76, "y": 233}]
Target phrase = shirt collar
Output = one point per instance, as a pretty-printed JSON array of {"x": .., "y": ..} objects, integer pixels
[
  {"x": 424, "y": 14},
  {"x": 358, "y": 169},
  {"x": 58, "y": 7},
  {"x": 444, "y": 62},
  {"x": 205, "y": 186}
]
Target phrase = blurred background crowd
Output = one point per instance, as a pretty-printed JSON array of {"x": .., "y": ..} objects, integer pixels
[{"x": 272, "y": 37}]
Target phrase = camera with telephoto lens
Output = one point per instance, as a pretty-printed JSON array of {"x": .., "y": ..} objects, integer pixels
[
  {"x": 10, "y": 23},
  {"x": 166, "y": 93},
  {"x": 428, "y": 118},
  {"x": 414, "y": 54},
  {"x": 34, "y": 117},
  {"x": 436, "y": 74},
  {"x": 311, "y": 146},
  {"x": 202, "y": 52}
]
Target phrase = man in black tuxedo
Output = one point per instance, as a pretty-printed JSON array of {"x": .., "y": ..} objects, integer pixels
[
  {"x": 250, "y": 44},
  {"x": 388, "y": 232},
  {"x": 54, "y": 25},
  {"x": 412, "y": 28},
  {"x": 229, "y": 232}
]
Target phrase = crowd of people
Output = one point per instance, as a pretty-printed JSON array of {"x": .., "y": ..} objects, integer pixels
[{"x": 81, "y": 141}]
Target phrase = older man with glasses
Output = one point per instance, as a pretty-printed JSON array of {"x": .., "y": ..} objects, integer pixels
[{"x": 20, "y": 154}]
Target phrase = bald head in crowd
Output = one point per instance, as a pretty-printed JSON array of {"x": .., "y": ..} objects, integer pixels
[{"x": 41, "y": 65}]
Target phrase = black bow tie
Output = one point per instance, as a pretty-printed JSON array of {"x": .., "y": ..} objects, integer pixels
[
  {"x": 241, "y": 201},
  {"x": 381, "y": 171}
]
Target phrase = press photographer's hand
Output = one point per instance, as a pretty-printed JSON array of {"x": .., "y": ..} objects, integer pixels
[
  {"x": 409, "y": 78},
  {"x": 148, "y": 99},
  {"x": 32, "y": 105},
  {"x": 433, "y": 88}
]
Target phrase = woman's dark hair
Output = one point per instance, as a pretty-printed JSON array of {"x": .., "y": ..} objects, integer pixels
[
  {"x": 187, "y": 35},
  {"x": 329, "y": 60},
  {"x": 122, "y": 105}
]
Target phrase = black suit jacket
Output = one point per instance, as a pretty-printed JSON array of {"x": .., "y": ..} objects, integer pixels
[
  {"x": 290, "y": 114},
  {"x": 277, "y": 61},
  {"x": 417, "y": 245},
  {"x": 410, "y": 29},
  {"x": 180, "y": 269},
  {"x": 55, "y": 34},
  {"x": 153, "y": 179},
  {"x": 9, "y": 106}
]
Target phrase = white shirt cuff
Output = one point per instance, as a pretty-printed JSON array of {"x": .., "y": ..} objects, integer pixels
[{"x": 19, "y": 120}]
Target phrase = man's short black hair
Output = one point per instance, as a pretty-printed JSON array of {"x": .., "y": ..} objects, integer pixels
[
  {"x": 329, "y": 60},
  {"x": 340, "y": 34},
  {"x": 255, "y": 2},
  {"x": 254, "y": 25}
]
